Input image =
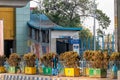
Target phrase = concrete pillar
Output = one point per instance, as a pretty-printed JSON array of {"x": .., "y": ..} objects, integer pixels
[
  {"x": 115, "y": 25},
  {"x": 53, "y": 45},
  {"x": 118, "y": 23}
]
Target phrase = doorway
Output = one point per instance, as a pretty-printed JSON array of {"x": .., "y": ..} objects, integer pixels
[
  {"x": 63, "y": 45},
  {"x": 8, "y": 47}
]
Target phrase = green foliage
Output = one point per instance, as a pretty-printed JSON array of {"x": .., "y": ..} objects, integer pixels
[
  {"x": 65, "y": 12},
  {"x": 103, "y": 20},
  {"x": 85, "y": 33},
  {"x": 68, "y": 13}
]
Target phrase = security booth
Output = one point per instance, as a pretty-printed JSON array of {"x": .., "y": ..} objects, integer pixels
[
  {"x": 45, "y": 36},
  {"x": 65, "y": 39}
]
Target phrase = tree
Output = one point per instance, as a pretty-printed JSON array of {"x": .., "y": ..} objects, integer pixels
[
  {"x": 67, "y": 13},
  {"x": 103, "y": 21},
  {"x": 85, "y": 33}
]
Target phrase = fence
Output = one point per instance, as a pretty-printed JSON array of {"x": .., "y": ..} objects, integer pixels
[{"x": 102, "y": 43}]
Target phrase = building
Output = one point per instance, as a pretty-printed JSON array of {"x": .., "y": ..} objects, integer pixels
[
  {"x": 15, "y": 28},
  {"x": 117, "y": 24},
  {"x": 45, "y": 36},
  {"x": 16, "y": 31},
  {"x": 13, "y": 3}
]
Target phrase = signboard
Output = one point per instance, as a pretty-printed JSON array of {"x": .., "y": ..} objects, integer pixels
[
  {"x": 76, "y": 48},
  {"x": 1, "y": 38},
  {"x": 74, "y": 41}
]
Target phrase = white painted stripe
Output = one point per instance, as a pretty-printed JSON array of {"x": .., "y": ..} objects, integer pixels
[
  {"x": 36, "y": 78},
  {"x": 40, "y": 78}
]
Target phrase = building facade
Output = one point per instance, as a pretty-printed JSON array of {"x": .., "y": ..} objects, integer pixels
[
  {"x": 15, "y": 28},
  {"x": 45, "y": 36}
]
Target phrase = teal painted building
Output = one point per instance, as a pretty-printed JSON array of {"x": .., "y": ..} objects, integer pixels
[{"x": 22, "y": 16}]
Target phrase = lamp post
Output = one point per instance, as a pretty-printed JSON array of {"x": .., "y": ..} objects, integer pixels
[
  {"x": 94, "y": 23},
  {"x": 40, "y": 34},
  {"x": 94, "y": 26}
]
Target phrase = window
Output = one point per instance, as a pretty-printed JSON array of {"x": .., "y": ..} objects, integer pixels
[
  {"x": 36, "y": 35},
  {"x": 30, "y": 32},
  {"x": 45, "y": 36}
]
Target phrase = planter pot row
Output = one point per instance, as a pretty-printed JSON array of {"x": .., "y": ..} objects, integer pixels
[
  {"x": 27, "y": 70},
  {"x": 72, "y": 72},
  {"x": 45, "y": 71}
]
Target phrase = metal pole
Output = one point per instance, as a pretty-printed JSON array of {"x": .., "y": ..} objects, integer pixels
[
  {"x": 94, "y": 27},
  {"x": 40, "y": 34},
  {"x": 116, "y": 24},
  {"x": 40, "y": 29}
]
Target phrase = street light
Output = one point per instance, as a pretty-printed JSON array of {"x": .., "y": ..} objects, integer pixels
[
  {"x": 94, "y": 22},
  {"x": 94, "y": 26},
  {"x": 40, "y": 34},
  {"x": 39, "y": 3}
]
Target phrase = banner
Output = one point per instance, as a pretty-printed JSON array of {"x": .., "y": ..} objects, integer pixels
[{"x": 1, "y": 38}]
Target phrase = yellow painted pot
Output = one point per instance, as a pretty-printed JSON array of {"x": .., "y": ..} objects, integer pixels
[
  {"x": 30, "y": 70},
  {"x": 73, "y": 72},
  {"x": 2, "y": 69}
]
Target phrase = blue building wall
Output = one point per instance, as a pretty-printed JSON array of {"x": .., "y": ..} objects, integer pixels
[{"x": 22, "y": 16}]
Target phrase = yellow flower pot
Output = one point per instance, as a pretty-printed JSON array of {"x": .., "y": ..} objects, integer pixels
[
  {"x": 30, "y": 70},
  {"x": 72, "y": 72},
  {"x": 2, "y": 69}
]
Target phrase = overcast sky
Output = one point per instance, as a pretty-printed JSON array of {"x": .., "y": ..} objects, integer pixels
[{"x": 107, "y": 6}]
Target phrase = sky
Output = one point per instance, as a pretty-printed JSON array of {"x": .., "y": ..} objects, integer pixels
[{"x": 107, "y": 6}]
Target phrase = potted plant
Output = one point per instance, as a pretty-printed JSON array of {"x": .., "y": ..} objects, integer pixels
[
  {"x": 99, "y": 63},
  {"x": 29, "y": 59},
  {"x": 46, "y": 61},
  {"x": 71, "y": 63},
  {"x": 88, "y": 58},
  {"x": 13, "y": 62},
  {"x": 2, "y": 60}
]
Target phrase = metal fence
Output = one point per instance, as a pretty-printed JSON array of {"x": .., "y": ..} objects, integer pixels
[{"x": 105, "y": 43}]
